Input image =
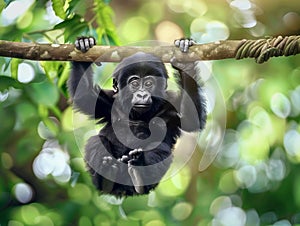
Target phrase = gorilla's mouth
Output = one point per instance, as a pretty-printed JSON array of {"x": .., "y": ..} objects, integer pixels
[{"x": 141, "y": 107}]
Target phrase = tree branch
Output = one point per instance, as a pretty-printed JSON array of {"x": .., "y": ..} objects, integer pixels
[{"x": 261, "y": 50}]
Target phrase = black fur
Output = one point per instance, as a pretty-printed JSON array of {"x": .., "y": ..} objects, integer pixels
[{"x": 134, "y": 149}]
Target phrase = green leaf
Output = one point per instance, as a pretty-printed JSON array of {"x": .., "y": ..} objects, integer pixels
[
  {"x": 48, "y": 128},
  {"x": 63, "y": 76},
  {"x": 2, "y": 5},
  {"x": 58, "y": 7},
  {"x": 73, "y": 27},
  {"x": 68, "y": 23},
  {"x": 104, "y": 15},
  {"x": 44, "y": 93},
  {"x": 6, "y": 82},
  {"x": 73, "y": 33},
  {"x": 77, "y": 7},
  {"x": 5, "y": 62},
  {"x": 14, "y": 67},
  {"x": 7, "y": 125},
  {"x": 26, "y": 111},
  {"x": 7, "y": 2}
]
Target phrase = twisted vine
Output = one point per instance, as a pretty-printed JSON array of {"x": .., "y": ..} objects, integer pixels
[{"x": 263, "y": 49}]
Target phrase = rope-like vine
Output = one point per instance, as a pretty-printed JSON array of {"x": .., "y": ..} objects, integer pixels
[{"x": 263, "y": 49}]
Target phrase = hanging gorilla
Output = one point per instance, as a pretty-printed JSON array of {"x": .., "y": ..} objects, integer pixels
[{"x": 143, "y": 119}]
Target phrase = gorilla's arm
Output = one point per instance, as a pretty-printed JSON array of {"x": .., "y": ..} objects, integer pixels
[
  {"x": 88, "y": 97},
  {"x": 192, "y": 102}
]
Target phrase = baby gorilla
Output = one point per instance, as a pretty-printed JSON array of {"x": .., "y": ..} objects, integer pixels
[{"x": 143, "y": 119}]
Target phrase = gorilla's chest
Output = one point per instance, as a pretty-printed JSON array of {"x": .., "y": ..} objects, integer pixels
[{"x": 130, "y": 134}]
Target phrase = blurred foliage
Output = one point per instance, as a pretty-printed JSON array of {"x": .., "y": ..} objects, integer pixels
[{"x": 254, "y": 180}]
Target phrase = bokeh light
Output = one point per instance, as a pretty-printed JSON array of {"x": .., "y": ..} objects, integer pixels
[
  {"x": 140, "y": 31},
  {"x": 280, "y": 105},
  {"x": 3, "y": 95},
  {"x": 219, "y": 204},
  {"x": 195, "y": 8},
  {"x": 23, "y": 192},
  {"x": 149, "y": 7},
  {"x": 176, "y": 5},
  {"x": 167, "y": 31},
  {"x": 241, "y": 4},
  {"x": 229, "y": 155},
  {"x": 181, "y": 211},
  {"x": 258, "y": 30},
  {"x": 204, "y": 31},
  {"x": 176, "y": 185},
  {"x": 52, "y": 160},
  {"x": 227, "y": 183},
  {"x": 246, "y": 176},
  {"x": 244, "y": 12},
  {"x": 292, "y": 144},
  {"x": 276, "y": 169},
  {"x": 44, "y": 132},
  {"x": 26, "y": 73},
  {"x": 295, "y": 101},
  {"x": 292, "y": 20},
  {"x": 15, "y": 10},
  {"x": 232, "y": 216}
]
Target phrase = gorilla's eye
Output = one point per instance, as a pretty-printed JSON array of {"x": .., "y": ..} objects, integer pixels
[
  {"x": 135, "y": 84},
  {"x": 133, "y": 81},
  {"x": 148, "y": 83}
]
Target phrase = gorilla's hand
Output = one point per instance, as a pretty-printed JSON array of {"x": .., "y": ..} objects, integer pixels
[
  {"x": 85, "y": 43},
  {"x": 184, "y": 44}
]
